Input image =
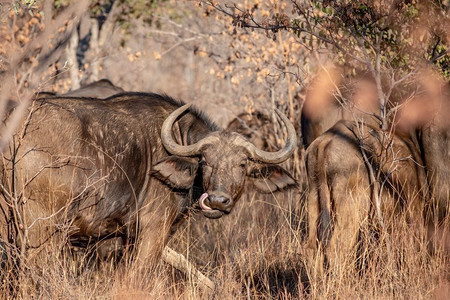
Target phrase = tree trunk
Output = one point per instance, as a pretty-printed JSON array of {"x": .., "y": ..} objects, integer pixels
[
  {"x": 71, "y": 54},
  {"x": 95, "y": 51}
]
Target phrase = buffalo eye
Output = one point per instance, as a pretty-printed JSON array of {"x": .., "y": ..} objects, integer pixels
[
  {"x": 203, "y": 162},
  {"x": 207, "y": 170}
]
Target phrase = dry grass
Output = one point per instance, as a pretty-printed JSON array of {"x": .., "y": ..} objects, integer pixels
[{"x": 258, "y": 252}]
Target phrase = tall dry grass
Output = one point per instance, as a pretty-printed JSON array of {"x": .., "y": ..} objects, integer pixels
[{"x": 257, "y": 252}]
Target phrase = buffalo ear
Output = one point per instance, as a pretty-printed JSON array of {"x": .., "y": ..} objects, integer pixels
[
  {"x": 175, "y": 171},
  {"x": 272, "y": 178}
]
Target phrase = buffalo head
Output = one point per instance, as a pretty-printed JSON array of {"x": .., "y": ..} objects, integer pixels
[{"x": 219, "y": 163}]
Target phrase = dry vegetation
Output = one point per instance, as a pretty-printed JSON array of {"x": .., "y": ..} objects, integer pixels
[{"x": 257, "y": 252}]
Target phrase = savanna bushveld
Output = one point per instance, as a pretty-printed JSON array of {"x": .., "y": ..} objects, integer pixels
[{"x": 336, "y": 110}]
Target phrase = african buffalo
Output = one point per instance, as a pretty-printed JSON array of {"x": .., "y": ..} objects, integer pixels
[
  {"x": 340, "y": 194},
  {"x": 342, "y": 166},
  {"x": 132, "y": 165},
  {"x": 100, "y": 89}
]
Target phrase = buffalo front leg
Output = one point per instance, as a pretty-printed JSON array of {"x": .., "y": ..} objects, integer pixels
[{"x": 154, "y": 231}]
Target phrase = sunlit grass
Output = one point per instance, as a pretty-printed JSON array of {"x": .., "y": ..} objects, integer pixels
[{"x": 258, "y": 251}]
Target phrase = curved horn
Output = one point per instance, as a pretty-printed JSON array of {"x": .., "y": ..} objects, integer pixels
[
  {"x": 170, "y": 144},
  {"x": 282, "y": 154}
]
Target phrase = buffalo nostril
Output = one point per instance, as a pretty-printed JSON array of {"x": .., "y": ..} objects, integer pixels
[
  {"x": 226, "y": 201},
  {"x": 221, "y": 200}
]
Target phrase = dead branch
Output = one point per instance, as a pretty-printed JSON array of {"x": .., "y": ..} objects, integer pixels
[{"x": 179, "y": 261}]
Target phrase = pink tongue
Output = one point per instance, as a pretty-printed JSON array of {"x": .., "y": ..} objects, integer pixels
[{"x": 201, "y": 201}]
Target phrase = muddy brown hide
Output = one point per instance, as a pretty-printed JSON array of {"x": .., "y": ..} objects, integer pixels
[
  {"x": 87, "y": 169},
  {"x": 101, "y": 89}
]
